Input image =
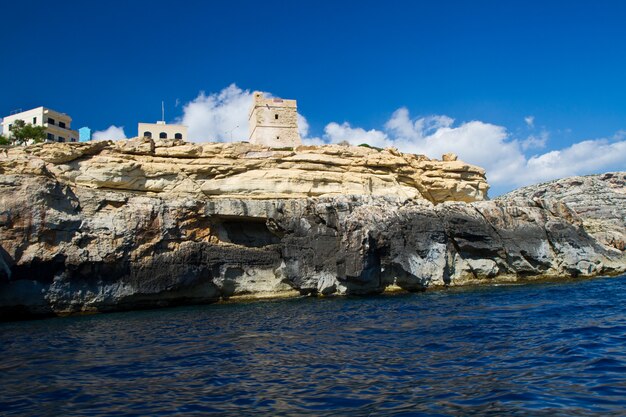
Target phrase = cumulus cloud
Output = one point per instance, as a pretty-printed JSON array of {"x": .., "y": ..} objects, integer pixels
[
  {"x": 580, "y": 158},
  {"x": 355, "y": 136},
  {"x": 218, "y": 117},
  {"x": 303, "y": 126},
  {"x": 223, "y": 117},
  {"x": 489, "y": 146},
  {"x": 110, "y": 133},
  {"x": 535, "y": 141}
]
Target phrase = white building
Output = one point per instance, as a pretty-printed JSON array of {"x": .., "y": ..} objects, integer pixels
[
  {"x": 57, "y": 125},
  {"x": 273, "y": 122},
  {"x": 161, "y": 130}
]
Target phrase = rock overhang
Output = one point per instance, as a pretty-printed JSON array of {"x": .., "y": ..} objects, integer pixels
[{"x": 244, "y": 170}]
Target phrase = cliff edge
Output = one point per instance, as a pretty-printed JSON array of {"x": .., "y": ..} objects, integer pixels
[
  {"x": 109, "y": 226},
  {"x": 244, "y": 170}
]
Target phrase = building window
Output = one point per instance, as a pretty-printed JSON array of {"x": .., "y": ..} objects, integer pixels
[
  {"x": 276, "y": 116},
  {"x": 34, "y": 120},
  {"x": 147, "y": 135},
  {"x": 178, "y": 136},
  {"x": 61, "y": 139},
  {"x": 62, "y": 124},
  {"x": 162, "y": 135},
  {"x": 50, "y": 121},
  {"x": 50, "y": 136},
  {"x": 10, "y": 126}
]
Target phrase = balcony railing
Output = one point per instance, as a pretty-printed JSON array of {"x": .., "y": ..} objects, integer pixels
[{"x": 56, "y": 125}]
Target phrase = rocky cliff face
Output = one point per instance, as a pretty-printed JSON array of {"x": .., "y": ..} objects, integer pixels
[
  {"x": 104, "y": 226},
  {"x": 242, "y": 170}
]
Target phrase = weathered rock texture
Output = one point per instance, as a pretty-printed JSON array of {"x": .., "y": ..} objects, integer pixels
[
  {"x": 242, "y": 170},
  {"x": 103, "y": 226},
  {"x": 598, "y": 200}
]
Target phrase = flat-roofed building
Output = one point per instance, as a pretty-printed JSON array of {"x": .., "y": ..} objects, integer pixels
[
  {"x": 273, "y": 122},
  {"x": 84, "y": 134},
  {"x": 57, "y": 124},
  {"x": 161, "y": 130}
]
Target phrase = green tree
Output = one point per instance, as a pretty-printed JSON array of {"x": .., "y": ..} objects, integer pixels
[
  {"x": 22, "y": 133},
  {"x": 4, "y": 140}
]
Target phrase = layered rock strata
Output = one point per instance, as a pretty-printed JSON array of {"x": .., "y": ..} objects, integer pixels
[
  {"x": 243, "y": 170},
  {"x": 77, "y": 236}
]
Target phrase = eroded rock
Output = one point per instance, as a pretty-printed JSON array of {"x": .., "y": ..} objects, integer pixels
[
  {"x": 242, "y": 170},
  {"x": 111, "y": 230}
]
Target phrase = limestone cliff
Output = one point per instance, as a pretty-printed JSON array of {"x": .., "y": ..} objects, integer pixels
[
  {"x": 243, "y": 170},
  {"x": 108, "y": 226}
]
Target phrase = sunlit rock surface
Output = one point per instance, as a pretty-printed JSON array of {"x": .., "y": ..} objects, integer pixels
[
  {"x": 108, "y": 226},
  {"x": 235, "y": 170}
]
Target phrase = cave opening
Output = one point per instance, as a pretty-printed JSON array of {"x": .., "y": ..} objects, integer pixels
[{"x": 245, "y": 231}]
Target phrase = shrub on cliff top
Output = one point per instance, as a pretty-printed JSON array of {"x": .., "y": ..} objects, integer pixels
[
  {"x": 23, "y": 133},
  {"x": 365, "y": 145}
]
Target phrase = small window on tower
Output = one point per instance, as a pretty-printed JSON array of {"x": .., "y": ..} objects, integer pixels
[
  {"x": 276, "y": 116},
  {"x": 277, "y": 137},
  {"x": 34, "y": 120}
]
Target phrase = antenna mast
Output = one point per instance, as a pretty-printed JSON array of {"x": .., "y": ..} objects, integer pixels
[{"x": 162, "y": 112}]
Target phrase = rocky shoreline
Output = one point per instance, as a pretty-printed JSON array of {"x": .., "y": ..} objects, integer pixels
[{"x": 139, "y": 224}]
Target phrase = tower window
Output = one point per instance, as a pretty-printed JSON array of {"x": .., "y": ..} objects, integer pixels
[
  {"x": 178, "y": 136},
  {"x": 34, "y": 120},
  {"x": 276, "y": 116},
  {"x": 162, "y": 135},
  {"x": 147, "y": 134}
]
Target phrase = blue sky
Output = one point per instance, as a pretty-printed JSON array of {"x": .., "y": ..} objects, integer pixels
[{"x": 521, "y": 77}]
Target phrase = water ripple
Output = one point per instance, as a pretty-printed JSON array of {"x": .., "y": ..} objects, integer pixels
[{"x": 542, "y": 349}]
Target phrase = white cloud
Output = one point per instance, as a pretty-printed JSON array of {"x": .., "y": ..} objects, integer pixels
[
  {"x": 110, "y": 133},
  {"x": 303, "y": 126},
  {"x": 530, "y": 121},
  {"x": 317, "y": 141},
  {"x": 535, "y": 141},
  {"x": 336, "y": 133},
  {"x": 218, "y": 117},
  {"x": 581, "y": 158},
  {"x": 223, "y": 117},
  {"x": 489, "y": 146}
]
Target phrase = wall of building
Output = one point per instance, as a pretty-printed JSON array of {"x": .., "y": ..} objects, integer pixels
[
  {"x": 156, "y": 129},
  {"x": 273, "y": 122},
  {"x": 84, "y": 134},
  {"x": 41, "y": 116},
  {"x": 34, "y": 117}
]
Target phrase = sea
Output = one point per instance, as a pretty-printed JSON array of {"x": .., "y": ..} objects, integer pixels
[{"x": 538, "y": 349}]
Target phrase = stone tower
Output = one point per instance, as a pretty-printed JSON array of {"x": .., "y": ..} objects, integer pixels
[{"x": 273, "y": 122}]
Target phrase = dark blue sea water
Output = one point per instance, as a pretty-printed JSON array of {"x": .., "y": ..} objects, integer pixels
[{"x": 536, "y": 349}]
